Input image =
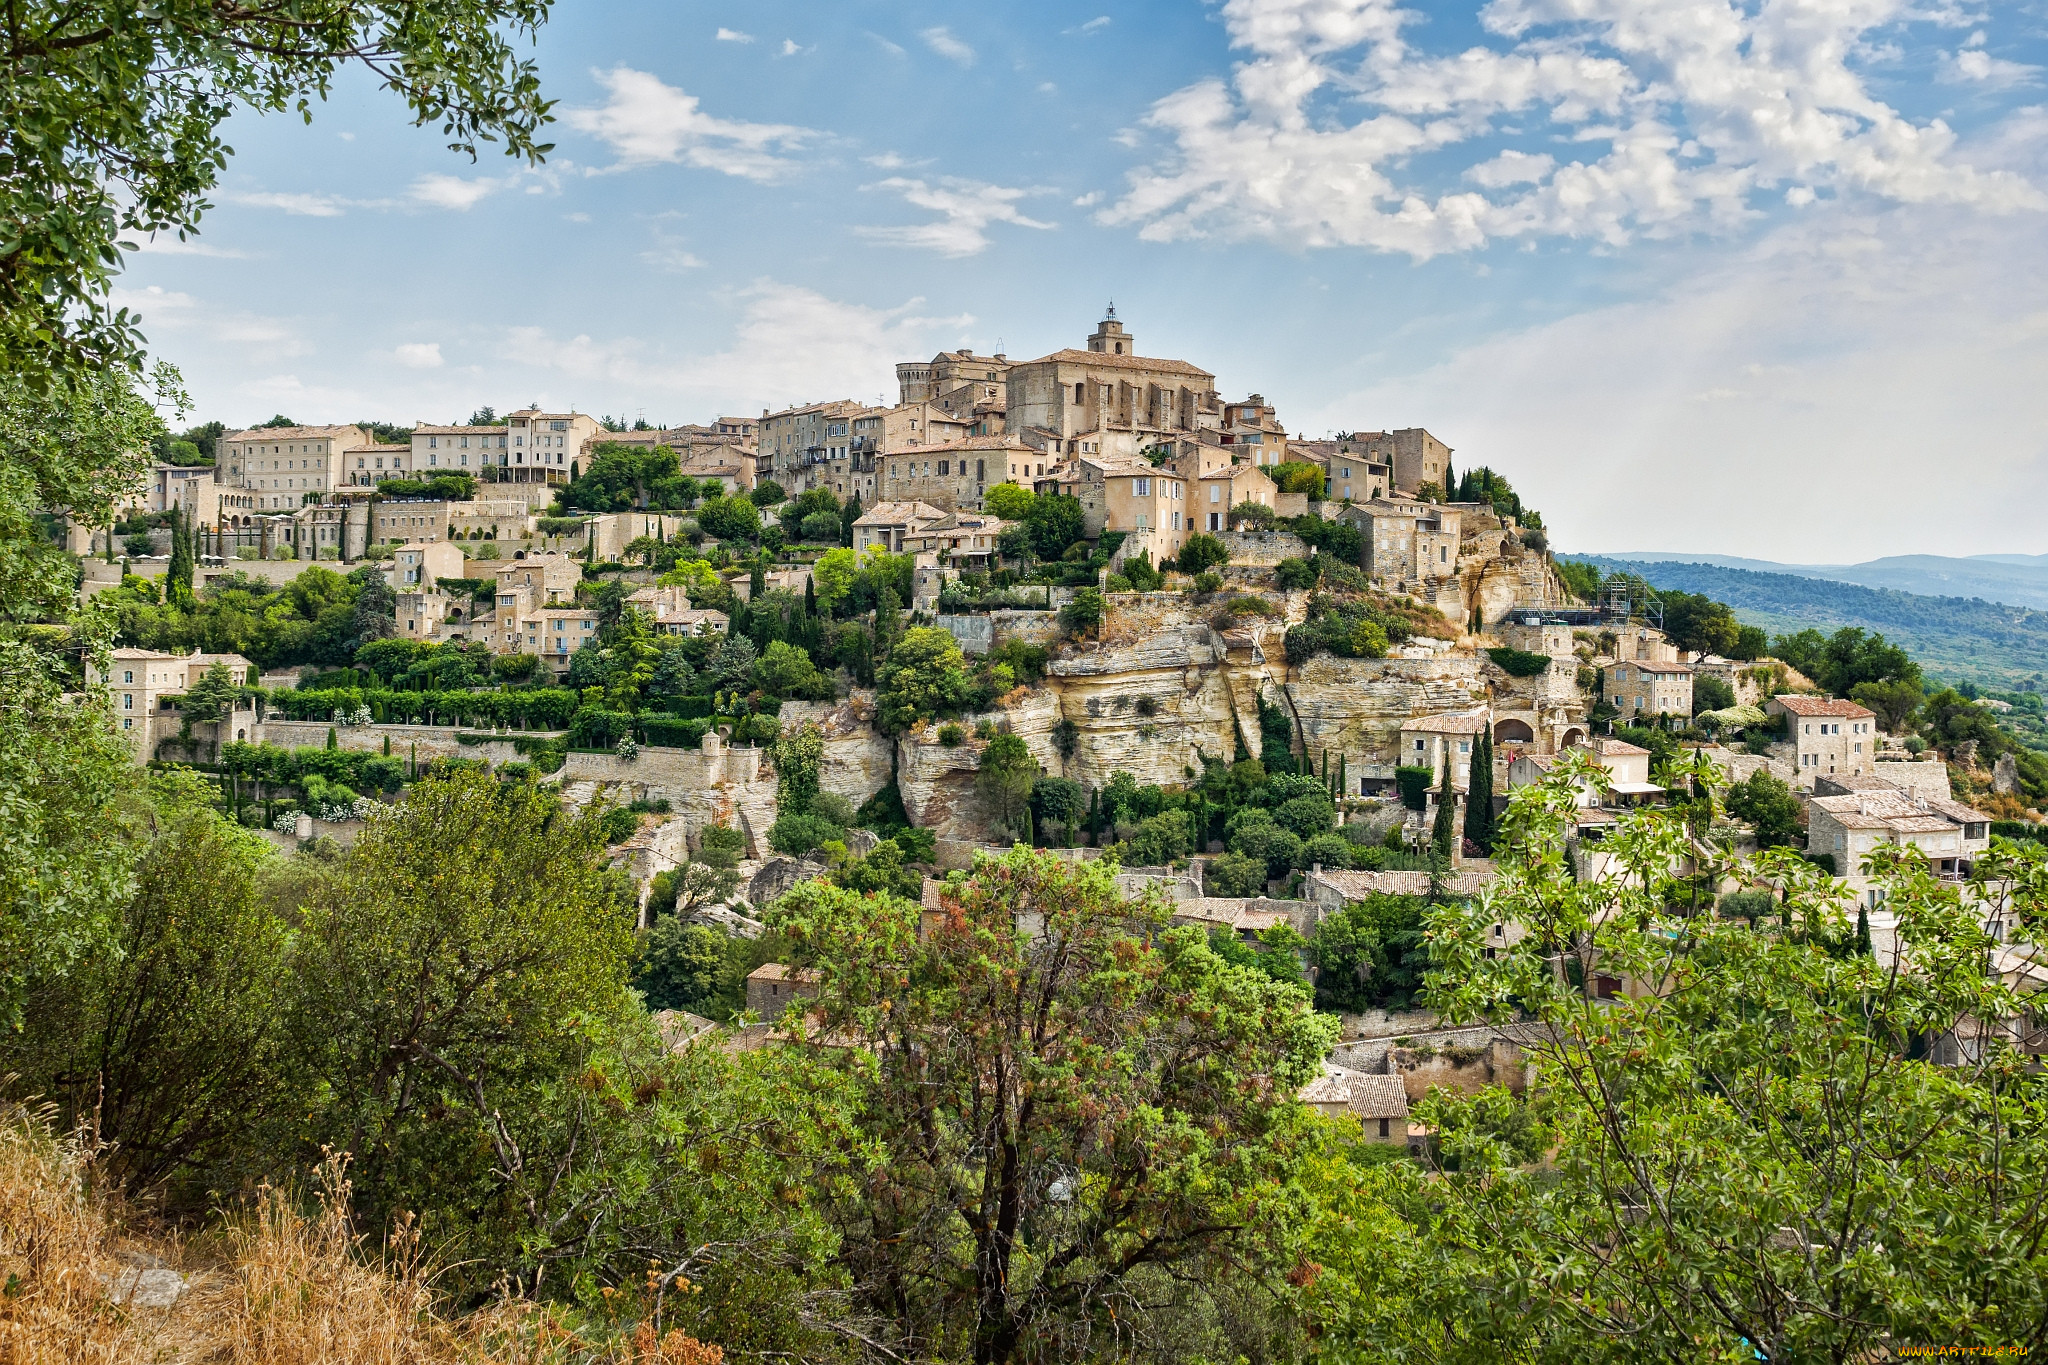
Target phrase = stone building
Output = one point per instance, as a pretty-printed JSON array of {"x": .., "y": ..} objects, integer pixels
[
  {"x": 1830, "y": 737},
  {"x": 457, "y": 450},
  {"x": 1132, "y": 496},
  {"x": 1253, "y": 432},
  {"x": 145, "y": 683},
  {"x": 1644, "y": 688},
  {"x": 1056, "y": 399},
  {"x": 1219, "y": 490},
  {"x": 889, "y": 525},
  {"x": 812, "y": 446},
  {"x": 1408, "y": 543},
  {"x": 418, "y": 564},
  {"x": 1415, "y": 456},
  {"x": 1433, "y": 741},
  {"x": 953, "y": 475},
  {"x": 956, "y": 380},
  {"x": 274, "y": 469},
  {"x": 1851, "y": 826},
  {"x": 541, "y": 447}
]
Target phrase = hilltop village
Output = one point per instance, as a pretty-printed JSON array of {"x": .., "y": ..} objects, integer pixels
[{"x": 1084, "y": 602}]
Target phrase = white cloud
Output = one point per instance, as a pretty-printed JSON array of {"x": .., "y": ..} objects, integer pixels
[
  {"x": 1099, "y": 22},
  {"x": 942, "y": 41},
  {"x": 1088, "y": 200},
  {"x": 419, "y": 355},
  {"x": 791, "y": 344},
  {"x": 1701, "y": 107},
  {"x": 171, "y": 313},
  {"x": 302, "y": 205},
  {"x": 669, "y": 255},
  {"x": 1976, "y": 65},
  {"x": 789, "y": 47},
  {"x": 1511, "y": 168},
  {"x": 967, "y": 207},
  {"x": 453, "y": 192},
  {"x": 893, "y": 49},
  {"x": 1832, "y": 347},
  {"x": 733, "y": 35},
  {"x": 646, "y": 122}
]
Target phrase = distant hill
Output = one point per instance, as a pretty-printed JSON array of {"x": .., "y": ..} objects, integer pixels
[
  {"x": 2021, "y": 580},
  {"x": 1954, "y": 638}
]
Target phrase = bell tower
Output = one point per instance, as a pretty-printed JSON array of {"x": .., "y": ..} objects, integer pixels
[{"x": 1110, "y": 338}]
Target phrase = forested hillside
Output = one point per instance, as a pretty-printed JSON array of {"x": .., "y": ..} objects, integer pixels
[{"x": 1953, "y": 638}]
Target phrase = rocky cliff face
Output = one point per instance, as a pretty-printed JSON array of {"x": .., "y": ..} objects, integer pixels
[
  {"x": 857, "y": 761},
  {"x": 1356, "y": 707}
]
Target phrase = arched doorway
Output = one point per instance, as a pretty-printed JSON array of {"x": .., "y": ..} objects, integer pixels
[
  {"x": 1573, "y": 735},
  {"x": 1514, "y": 732}
]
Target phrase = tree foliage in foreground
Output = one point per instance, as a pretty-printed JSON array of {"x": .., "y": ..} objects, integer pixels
[
  {"x": 1755, "y": 1159},
  {"x": 1078, "y": 1113}
]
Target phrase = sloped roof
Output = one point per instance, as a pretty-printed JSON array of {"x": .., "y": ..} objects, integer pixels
[
  {"x": 1461, "y": 724},
  {"x": 1462, "y": 881},
  {"x": 1824, "y": 706},
  {"x": 1121, "y": 362}
]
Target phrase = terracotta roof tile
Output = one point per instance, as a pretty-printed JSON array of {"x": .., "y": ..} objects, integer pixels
[{"x": 1823, "y": 706}]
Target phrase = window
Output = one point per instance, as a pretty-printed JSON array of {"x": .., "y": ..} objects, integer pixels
[
  {"x": 128, "y": 675},
  {"x": 1080, "y": 393},
  {"x": 127, "y": 722},
  {"x": 1141, "y": 488},
  {"x": 128, "y": 702},
  {"x": 943, "y": 470},
  {"x": 1383, "y": 1128}
]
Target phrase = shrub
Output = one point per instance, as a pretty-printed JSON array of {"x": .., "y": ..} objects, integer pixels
[
  {"x": 1331, "y": 850},
  {"x": 1297, "y": 574},
  {"x": 1519, "y": 663},
  {"x": 1209, "y": 582},
  {"x": 1202, "y": 552},
  {"x": 1413, "y": 783},
  {"x": 1084, "y": 613},
  {"x": 797, "y": 835},
  {"x": 1234, "y": 874},
  {"x": 951, "y": 735}
]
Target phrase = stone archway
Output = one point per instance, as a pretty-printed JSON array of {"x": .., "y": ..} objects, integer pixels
[
  {"x": 1573, "y": 734},
  {"x": 1512, "y": 731}
]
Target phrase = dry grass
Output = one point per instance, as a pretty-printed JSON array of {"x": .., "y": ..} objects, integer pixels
[{"x": 271, "y": 1286}]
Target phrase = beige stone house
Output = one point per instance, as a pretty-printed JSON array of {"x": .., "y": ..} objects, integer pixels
[
  {"x": 1379, "y": 1103},
  {"x": 274, "y": 469},
  {"x": 1219, "y": 490},
  {"x": 1851, "y": 826},
  {"x": 1415, "y": 456},
  {"x": 1642, "y": 688},
  {"x": 953, "y": 475},
  {"x": 1408, "y": 543},
  {"x": 456, "y": 450},
  {"x": 434, "y": 617},
  {"x": 811, "y": 446},
  {"x": 1432, "y": 741},
  {"x": 888, "y": 525},
  {"x": 1108, "y": 387},
  {"x": 1830, "y": 737},
  {"x": 1132, "y": 496},
  {"x": 418, "y": 564},
  {"x": 960, "y": 539},
  {"x": 669, "y": 608},
  {"x": 960, "y": 378},
  {"x": 1254, "y": 433},
  {"x": 541, "y": 447},
  {"x": 143, "y": 684}
]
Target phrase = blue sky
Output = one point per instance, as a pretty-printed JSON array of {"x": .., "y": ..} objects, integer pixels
[{"x": 1757, "y": 279}]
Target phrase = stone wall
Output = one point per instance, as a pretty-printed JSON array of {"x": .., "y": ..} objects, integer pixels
[
  {"x": 1262, "y": 548},
  {"x": 733, "y": 788},
  {"x": 432, "y": 741},
  {"x": 975, "y": 634},
  {"x": 937, "y": 782}
]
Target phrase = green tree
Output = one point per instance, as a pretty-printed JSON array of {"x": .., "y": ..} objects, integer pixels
[
  {"x": 1201, "y": 553},
  {"x": 1070, "y": 1117},
  {"x": 1479, "y": 796},
  {"x": 1711, "y": 694},
  {"x": 212, "y": 698},
  {"x": 925, "y": 677},
  {"x": 114, "y": 117},
  {"x": 1085, "y": 612},
  {"x": 1234, "y": 874},
  {"x": 786, "y": 671},
  {"x": 1894, "y": 701},
  {"x": 766, "y": 493},
  {"x": 1006, "y": 774},
  {"x": 453, "y": 979},
  {"x": 732, "y": 519},
  {"x": 1769, "y": 806},
  {"x": 1056, "y": 522},
  {"x": 798, "y": 754},
  {"x": 1765, "y": 1161},
  {"x": 834, "y": 575},
  {"x": 1445, "y": 827},
  {"x": 1009, "y": 501},
  {"x": 168, "y": 1041},
  {"x": 680, "y": 966},
  {"x": 1371, "y": 955},
  {"x": 1062, "y": 803}
]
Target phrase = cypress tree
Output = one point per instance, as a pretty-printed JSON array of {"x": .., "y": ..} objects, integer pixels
[
  {"x": 178, "y": 577},
  {"x": 756, "y": 579},
  {"x": 1479, "y": 796},
  {"x": 333, "y": 742},
  {"x": 1445, "y": 827},
  {"x": 1343, "y": 780},
  {"x": 1863, "y": 931}
]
